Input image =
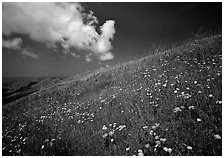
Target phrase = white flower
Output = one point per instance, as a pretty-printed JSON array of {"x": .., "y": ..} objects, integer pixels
[
  {"x": 140, "y": 150},
  {"x": 127, "y": 149},
  {"x": 153, "y": 127},
  {"x": 198, "y": 119},
  {"x": 217, "y": 136},
  {"x": 105, "y": 135},
  {"x": 140, "y": 154},
  {"x": 111, "y": 133},
  {"x": 167, "y": 149},
  {"x": 195, "y": 82},
  {"x": 182, "y": 107},
  {"x": 144, "y": 127},
  {"x": 147, "y": 145},
  {"x": 104, "y": 127},
  {"x": 163, "y": 139},
  {"x": 121, "y": 127},
  {"x": 157, "y": 137},
  {"x": 210, "y": 95},
  {"x": 157, "y": 142},
  {"x": 189, "y": 147},
  {"x": 219, "y": 102},
  {"x": 191, "y": 107},
  {"x": 177, "y": 109}
]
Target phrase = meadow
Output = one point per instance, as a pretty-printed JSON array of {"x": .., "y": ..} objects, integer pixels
[{"x": 167, "y": 103}]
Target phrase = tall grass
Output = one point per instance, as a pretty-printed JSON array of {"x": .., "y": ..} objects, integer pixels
[{"x": 168, "y": 103}]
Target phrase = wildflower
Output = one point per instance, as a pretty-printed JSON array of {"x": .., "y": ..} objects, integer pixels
[
  {"x": 112, "y": 140},
  {"x": 167, "y": 149},
  {"x": 195, "y": 82},
  {"x": 153, "y": 127},
  {"x": 18, "y": 151},
  {"x": 47, "y": 140},
  {"x": 121, "y": 127},
  {"x": 210, "y": 95},
  {"x": 198, "y": 119},
  {"x": 147, "y": 145},
  {"x": 140, "y": 150},
  {"x": 217, "y": 136},
  {"x": 140, "y": 154},
  {"x": 191, "y": 107},
  {"x": 24, "y": 139},
  {"x": 163, "y": 139},
  {"x": 111, "y": 133},
  {"x": 42, "y": 146},
  {"x": 219, "y": 102},
  {"x": 104, "y": 127},
  {"x": 189, "y": 147},
  {"x": 157, "y": 142},
  {"x": 177, "y": 109},
  {"x": 105, "y": 135},
  {"x": 187, "y": 96},
  {"x": 127, "y": 149}
]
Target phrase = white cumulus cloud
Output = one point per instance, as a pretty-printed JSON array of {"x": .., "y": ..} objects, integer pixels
[
  {"x": 13, "y": 43},
  {"x": 29, "y": 53},
  {"x": 64, "y": 23},
  {"x": 107, "y": 56}
]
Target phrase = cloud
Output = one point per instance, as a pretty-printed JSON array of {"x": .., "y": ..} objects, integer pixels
[
  {"x": 64, "y": 23},
  {"x": 29, "y": 53},
  {"x": 13, "y": 43},
  {"x": 107, "y": 56}
]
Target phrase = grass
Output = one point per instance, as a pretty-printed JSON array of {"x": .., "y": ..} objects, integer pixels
[{"x": 169, "y": 103}]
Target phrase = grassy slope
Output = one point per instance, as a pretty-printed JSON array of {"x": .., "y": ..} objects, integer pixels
[
  {"x": 16, "y": 88},
  {"x": 171, "y": 99}
]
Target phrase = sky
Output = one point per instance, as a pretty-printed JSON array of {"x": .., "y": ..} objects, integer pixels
[{"x": 64, "y": 39}]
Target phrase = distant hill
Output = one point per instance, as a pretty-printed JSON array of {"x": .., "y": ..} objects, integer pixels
[
  {"x": 14, "y": 88},
  {"x": 168, "y": 103}
]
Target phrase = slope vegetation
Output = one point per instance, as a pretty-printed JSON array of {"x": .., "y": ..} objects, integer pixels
[{"x": 169, "y": 103}]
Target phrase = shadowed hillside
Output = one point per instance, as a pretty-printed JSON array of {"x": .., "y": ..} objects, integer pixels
[{"x": 169, "y": 103}]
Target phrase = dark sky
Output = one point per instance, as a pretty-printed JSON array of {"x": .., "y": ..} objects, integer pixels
[{"x": 137, "y": 25}]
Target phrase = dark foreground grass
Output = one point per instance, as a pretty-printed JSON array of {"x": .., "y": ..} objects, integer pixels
[{"x": 166, "y": 104}]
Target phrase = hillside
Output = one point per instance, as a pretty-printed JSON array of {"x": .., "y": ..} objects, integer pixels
[
  {"x": 14, "y": 88},
  {"x": 169, "y": 103}
]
